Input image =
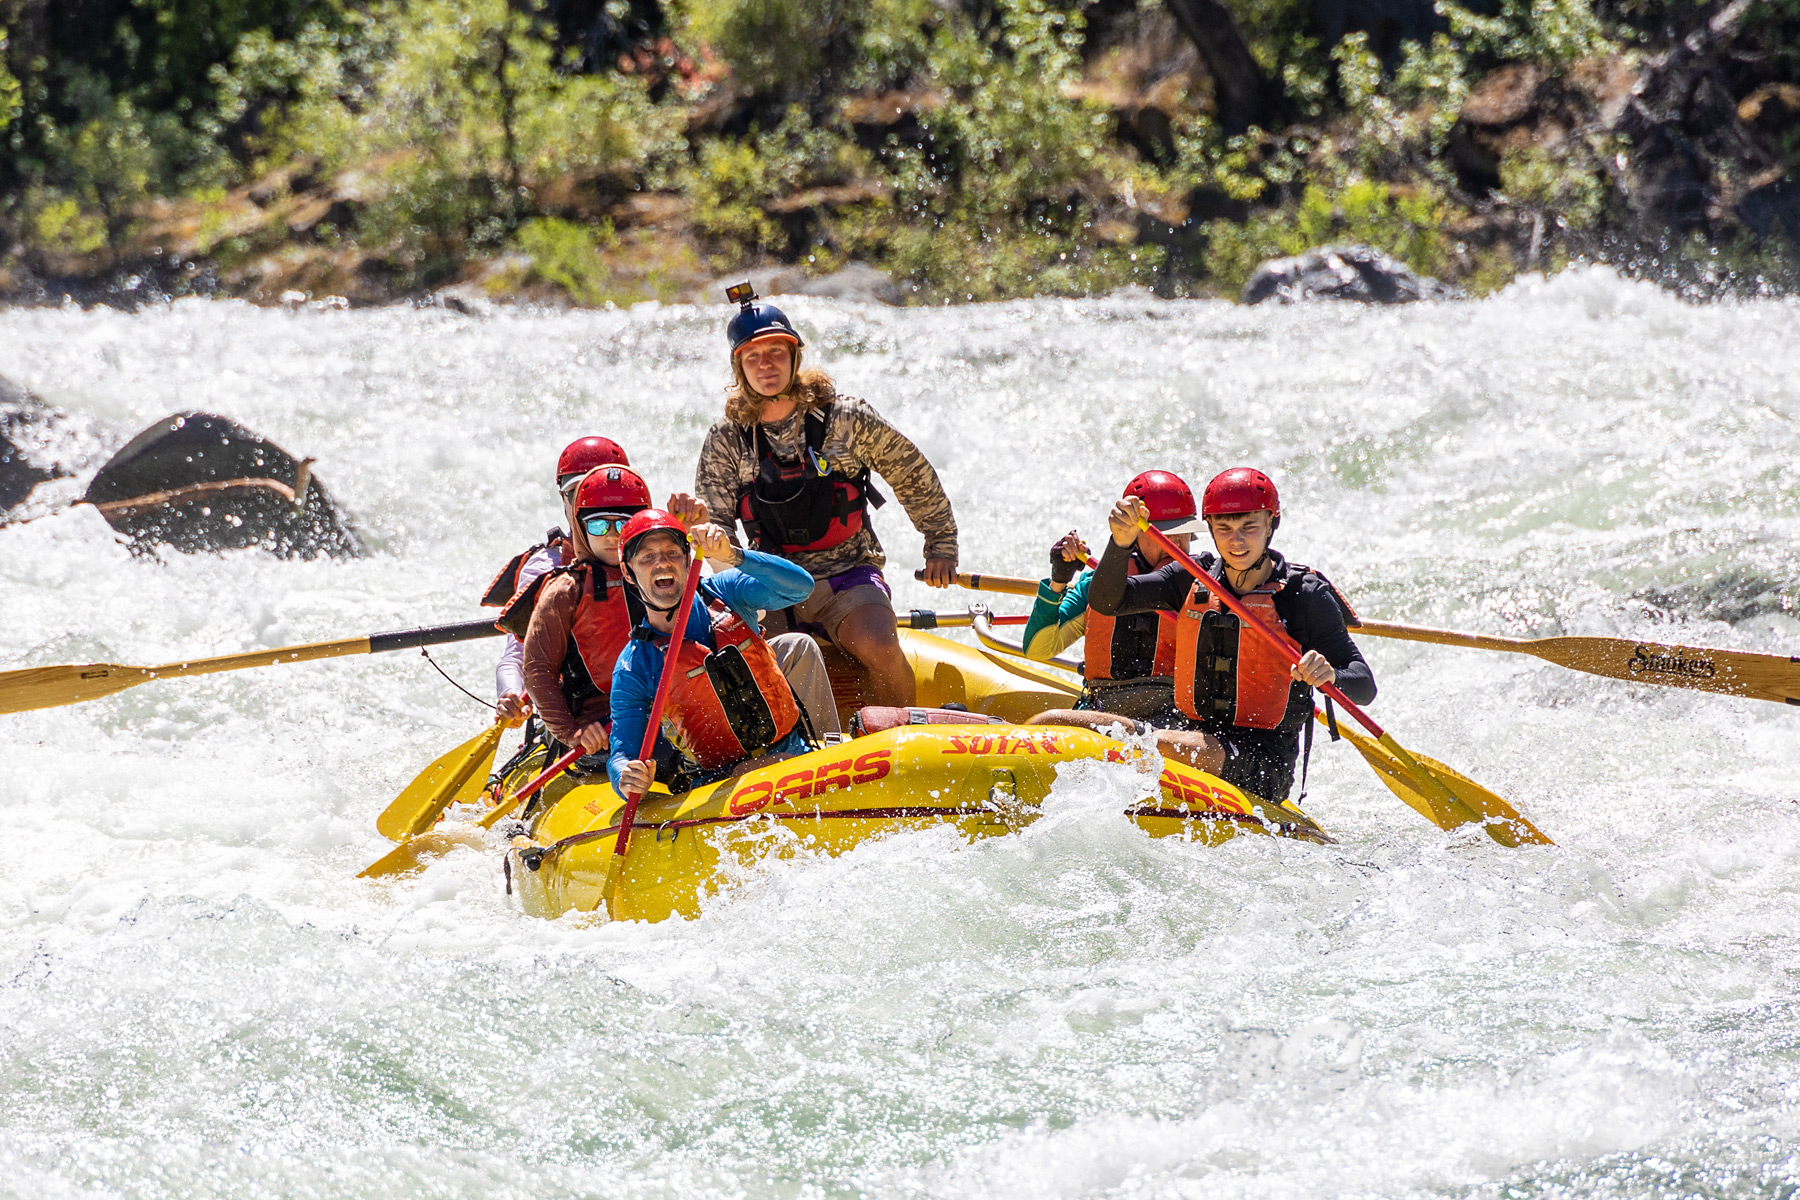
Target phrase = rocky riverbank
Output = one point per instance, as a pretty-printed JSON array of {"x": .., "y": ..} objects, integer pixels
[{"x": 478, "y": 152}]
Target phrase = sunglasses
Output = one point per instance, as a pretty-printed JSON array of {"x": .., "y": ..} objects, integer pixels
[{"x": 604, "y": 524}]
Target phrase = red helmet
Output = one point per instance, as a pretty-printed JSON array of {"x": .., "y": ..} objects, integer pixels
[
  {"x": 611, "y": 489},
  {"x": 1241, "y": 490},
  {"x": 580, "y": 457},
  {"x": 1169, "y": 499},
  {"x": 645, "y": 523}
]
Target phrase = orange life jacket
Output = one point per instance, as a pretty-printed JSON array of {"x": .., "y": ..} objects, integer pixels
[
  {"x": 1224, "y": 673},
  {"x": 1111, "y": 641},
  {"x": 506, "y": 583},
  {"x": 601, "y": 628},
  {"x": 731, "y": 702}
]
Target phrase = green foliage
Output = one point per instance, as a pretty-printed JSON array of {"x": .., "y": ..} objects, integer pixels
[
  {"x": 10, "y": 101},
  {"x": 1553, "y": 186},
  {"x": 1548, "y": 31},
  {"x": 1402, "y": 121},
  {"x": 1013, "y": 204},
  {"x": 568, "y": 254},
  {"x": 60, "y": 225},
  {"x": 731, "y": 181},
  {"x": 450, "y": 112},
  {"x": 1407, "y": 224}
]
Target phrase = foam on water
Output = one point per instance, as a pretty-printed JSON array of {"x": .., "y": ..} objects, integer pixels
[{"x": 197, "y": 998}]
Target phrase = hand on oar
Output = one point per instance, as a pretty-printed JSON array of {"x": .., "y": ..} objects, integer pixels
[
  {"x": 48, "y": 687},
  {"x": 1729, "y": 672},
  {"x": 992, "y": 583},
  {"x": 1448, "y": 807}
]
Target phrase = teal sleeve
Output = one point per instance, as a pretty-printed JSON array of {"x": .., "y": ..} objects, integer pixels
[{"x": 1053, "y": 610}]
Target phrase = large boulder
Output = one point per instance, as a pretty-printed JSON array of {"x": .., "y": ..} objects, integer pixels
[
  {"x": 196, "y": 481},
  {"x": 38, "y": 444},
  {"x": 1360, "y": 273}
]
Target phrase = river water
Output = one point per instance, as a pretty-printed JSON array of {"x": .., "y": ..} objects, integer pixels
[{"x": 198, "y": 999}]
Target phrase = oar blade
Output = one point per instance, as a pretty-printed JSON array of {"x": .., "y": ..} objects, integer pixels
[
  {"x": 415, "y": 853},
  {"x": 50, "y": 687},
  {"x": 1727, "y": 672},
  {"x": 455, "y": 778},
  {"x": 1445, "y": 797}
]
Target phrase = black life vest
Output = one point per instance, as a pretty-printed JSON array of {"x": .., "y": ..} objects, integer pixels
[
  {"x": 506, "y": 583},
  {"x": 805, "y": 505}
]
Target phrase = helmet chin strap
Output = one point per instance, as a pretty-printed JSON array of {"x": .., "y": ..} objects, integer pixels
[{"x": 632, "y": 583}]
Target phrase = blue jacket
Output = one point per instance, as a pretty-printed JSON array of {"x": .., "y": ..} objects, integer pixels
[{"x": 762, "y": 582}]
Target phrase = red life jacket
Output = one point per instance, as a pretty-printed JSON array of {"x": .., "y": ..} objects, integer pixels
[
  {"x": 1111, "y": 642},
  {"x": 731, "y": 702},
  {"x": 506, "y": 583},
  {"x": 803, "y": 505},
  {"x": 1225, "y": 673},
  {"x": 601, "y": 628}
]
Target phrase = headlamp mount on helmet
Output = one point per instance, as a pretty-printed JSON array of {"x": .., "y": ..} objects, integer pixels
[{"x": 756, "y": 319}]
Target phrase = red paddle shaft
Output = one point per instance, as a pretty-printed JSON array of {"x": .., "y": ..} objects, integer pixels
[
  {"x": 662, "y": 695},
  {"x": 550, "y": 772},
  {"x": 1257, "y": 623}
]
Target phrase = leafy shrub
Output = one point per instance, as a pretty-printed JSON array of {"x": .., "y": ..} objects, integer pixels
[
  {"x": 451, "y": 111},
  {"x": 568, "y": 254}
]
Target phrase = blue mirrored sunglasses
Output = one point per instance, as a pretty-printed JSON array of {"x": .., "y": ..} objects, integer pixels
[{"x": 604, "y": 524}]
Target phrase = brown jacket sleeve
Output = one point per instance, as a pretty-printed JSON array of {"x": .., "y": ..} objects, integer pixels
[
  {"x": 546, "y": 644},
  {"x": 915, "y": 481}
]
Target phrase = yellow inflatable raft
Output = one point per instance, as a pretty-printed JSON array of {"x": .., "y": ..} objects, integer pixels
[{"x": 985, "y": 779}]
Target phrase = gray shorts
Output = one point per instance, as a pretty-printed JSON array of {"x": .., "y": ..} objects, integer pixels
[{"x": 831, "y": 603}]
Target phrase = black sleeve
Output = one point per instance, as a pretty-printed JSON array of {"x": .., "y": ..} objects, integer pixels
[
  {"x": 1319, "y": 625},
  {"x": 1114, "y": 593}
]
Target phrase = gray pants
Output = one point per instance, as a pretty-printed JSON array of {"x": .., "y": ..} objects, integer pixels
[{"x": 799, "y": 659}]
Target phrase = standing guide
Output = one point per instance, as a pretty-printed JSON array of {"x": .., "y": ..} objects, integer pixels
[
  {"x": 1246, "y": 706},
  {"x": 729, "y": 702},
  {"x": 791, "y": 461}
]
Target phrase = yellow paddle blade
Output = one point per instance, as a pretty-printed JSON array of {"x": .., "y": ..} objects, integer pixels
[
  {"x": 456, "y": 778},
  {"x": 412, "y": 854},
  {"x": 1443, "y": 796},
  {"x": 47, "y": 687}
]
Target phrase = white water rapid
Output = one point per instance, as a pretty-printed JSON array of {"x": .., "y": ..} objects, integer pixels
[{"x": 198, "y": 999}]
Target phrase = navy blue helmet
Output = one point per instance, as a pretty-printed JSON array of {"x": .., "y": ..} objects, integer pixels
[{"x": 755, "y": 320}]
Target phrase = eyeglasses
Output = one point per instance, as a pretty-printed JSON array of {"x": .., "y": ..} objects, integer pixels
[{"x": 604, "y": 524}]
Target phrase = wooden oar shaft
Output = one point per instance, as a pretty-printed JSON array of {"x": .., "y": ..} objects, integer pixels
[
  {"x": 1443, "y": 637},
  {"x": 307, "y": 652},
  {"x": 1006, "y": 584},
  {"x": 47, "y": 687},
  {"x": 923, "y": 618}
]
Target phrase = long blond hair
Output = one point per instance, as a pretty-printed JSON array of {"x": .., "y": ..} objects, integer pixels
[{"x": 810, "y": 388}]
